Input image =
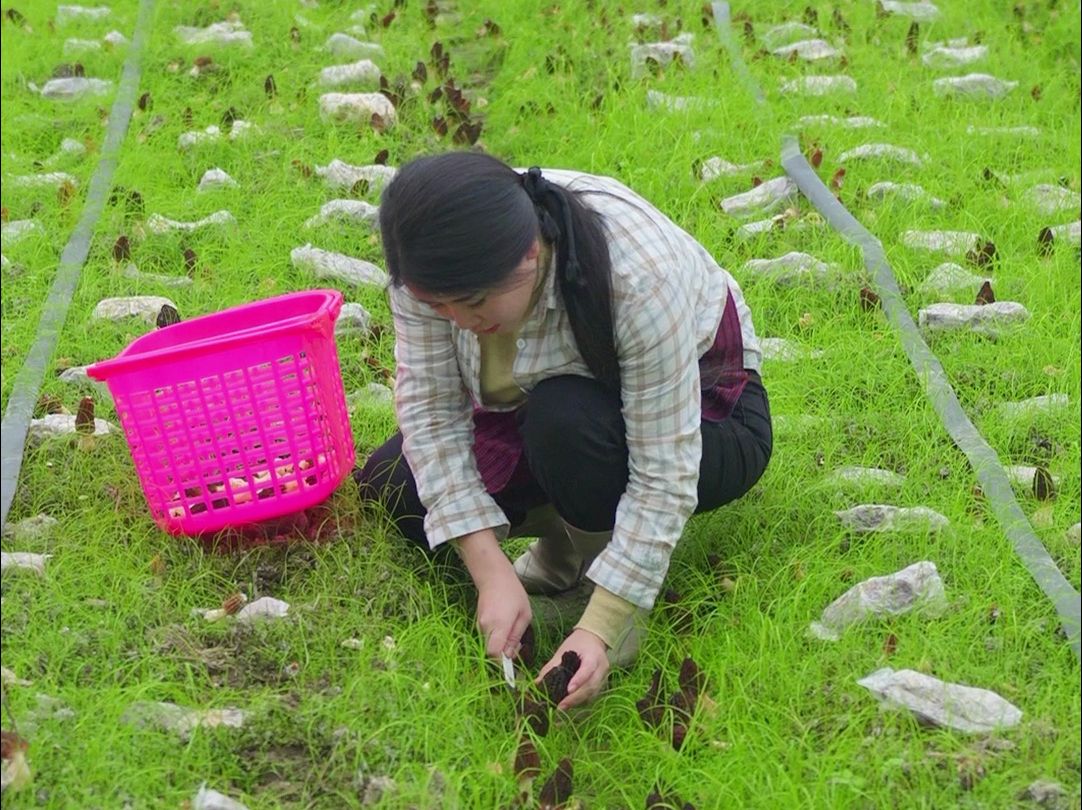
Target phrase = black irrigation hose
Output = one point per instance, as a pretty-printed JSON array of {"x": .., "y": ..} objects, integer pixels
[
  {"x": 993, "y": 478},
  {"x": 24, "y": 392}
]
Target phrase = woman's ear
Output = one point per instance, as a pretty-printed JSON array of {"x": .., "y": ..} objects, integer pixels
[{"x": 534, "y": 250}]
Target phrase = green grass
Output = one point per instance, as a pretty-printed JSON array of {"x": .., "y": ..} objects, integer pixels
[{"x": 110, "y": 623}]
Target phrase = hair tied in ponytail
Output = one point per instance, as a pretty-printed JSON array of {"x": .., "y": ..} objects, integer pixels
[{"x": 540, "y": 192}]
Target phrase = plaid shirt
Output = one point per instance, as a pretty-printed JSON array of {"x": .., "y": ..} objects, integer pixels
[{"x": 668, "y": 298}]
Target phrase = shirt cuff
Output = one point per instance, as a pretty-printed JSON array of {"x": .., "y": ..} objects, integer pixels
[
  {"x": 448, "y": 521},
  {"x": 607, "y": 616}
]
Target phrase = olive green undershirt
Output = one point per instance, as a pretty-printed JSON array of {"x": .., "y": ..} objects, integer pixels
[{"x": 607, "y": 615}]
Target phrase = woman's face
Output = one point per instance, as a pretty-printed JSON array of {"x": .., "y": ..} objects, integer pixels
[{"x": 497, "y": 311}]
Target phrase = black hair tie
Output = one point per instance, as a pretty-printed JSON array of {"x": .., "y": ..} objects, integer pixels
[{"x": 538, "y": 189}]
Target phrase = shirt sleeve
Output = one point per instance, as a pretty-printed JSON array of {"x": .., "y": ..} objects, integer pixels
[
  {"x": 659, "y": 376},
  {"x": 435, "y": 416}
]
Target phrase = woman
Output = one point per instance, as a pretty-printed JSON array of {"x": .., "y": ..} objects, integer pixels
[{"x": 572, "y": 366}]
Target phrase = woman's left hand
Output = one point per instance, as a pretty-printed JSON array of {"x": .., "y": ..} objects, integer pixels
[{"x": 588, "y": 682}]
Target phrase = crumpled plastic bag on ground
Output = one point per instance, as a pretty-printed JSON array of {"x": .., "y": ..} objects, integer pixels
[
  {"x": 875, "y": 517},
  {"x": 965, "y": 708},
  {"x": 917, "y": 585},
  {"x": 266, "y": 607},
  {"x": 144, "y": 307},
  {"x": 983, "y": 319},
  {"x": 327, "y": 264},
  {"x": 182, "y": 720},
  {"x": 25, "y": 560},
  {"x": 763, "y": 199},
  {"x": 207, "y": 799}
]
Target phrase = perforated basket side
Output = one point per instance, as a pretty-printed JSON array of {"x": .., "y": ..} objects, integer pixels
[{"x": 246, "y": 434}]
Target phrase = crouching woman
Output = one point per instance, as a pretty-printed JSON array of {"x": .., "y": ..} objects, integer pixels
[{"x": 571, "y": 366}]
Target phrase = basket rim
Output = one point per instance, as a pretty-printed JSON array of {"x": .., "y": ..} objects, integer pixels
[{"x": 128, "y": 360}]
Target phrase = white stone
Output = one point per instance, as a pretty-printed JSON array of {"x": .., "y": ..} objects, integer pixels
[
  {"x": 920, "y": 11},
  {"x": 266, "y": 607},
  {"x": 1050, "y": 199},
  {"x": 663, "y": 53},
  {"x": 1009, "y": 132},
  {"x": 31, "y": 529},
  {"x": 346, "y": 47},
  {"x": 715, "y": 167},
  {"x": 11, "y": 233},
  {"x": 356, "y": 108},
  {"x": 852, "y": 122},
  {"x": 133, "y": 272},
  {"x": 115, "y": 39},
  {"x": 792, "y": 268},
  {"x": 357, "y": 211},
  {"x": 949, "y": 277},
  {"x": 325, "y": 264},
  {"x": 4, "y": 261},
  {"x": 73, "y": 88},
  {"x": 75, "y": 14},
  {"x": 214, "y": 179},
  {"x": 868, "y": 518},
  {"x": 1034, "y": 406},
  {"x": 186, "y": 140},
  {"x": 52, "y": 180},
  {"x": 864, "y": 476},
  {"x": 656, "y": 100},
  {"x": 974, "y": 85},
  {"x": 765, "y": 198},
  {"x": 882, "y": 151},
  {"x": 363, "y": 72},
  {"x": 228, "y": 32},
  {"x": 787, "y": 33},
  {"x": 809, "y": 50},
  {"x": 818, "y": 85},
  {"x": 56, "y": 425},
  {"x": 956, "y": 706},
  {"x": 207, "y": 799},
  {"x": 908, "y": 192},
  {"x": 340, "y": 175},
  {"x": 787, "y": 351},
  {"x": 951, "y": 242},
  {"x": 948, "y": 57},
  {"x": 918, "y": 585},
  {"x": 144, "y": 307},
  {"x": 985, "y": 319},
  {"x": 23, "y": 561},
  {"x": 158, "y": 224}
]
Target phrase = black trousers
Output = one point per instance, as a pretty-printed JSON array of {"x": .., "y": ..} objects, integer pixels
[{"x": 574, "y": 443}]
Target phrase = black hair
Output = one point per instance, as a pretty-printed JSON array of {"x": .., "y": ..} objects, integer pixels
[{"x": 461, "y": 222}]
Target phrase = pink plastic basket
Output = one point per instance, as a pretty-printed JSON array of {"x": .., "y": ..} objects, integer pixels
[{"x": 236, "y": 417}]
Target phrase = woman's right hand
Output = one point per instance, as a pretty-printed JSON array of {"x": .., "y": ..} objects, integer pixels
[
  {"x": 503, "y": 613},
  {"x": 503, "y": 609}
]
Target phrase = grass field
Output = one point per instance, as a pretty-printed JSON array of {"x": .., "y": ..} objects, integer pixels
[{"x": 408, "y": 713}]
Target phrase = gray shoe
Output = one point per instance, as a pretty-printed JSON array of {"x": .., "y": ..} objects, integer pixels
[{"x": 558, "y": 559}]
